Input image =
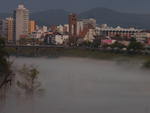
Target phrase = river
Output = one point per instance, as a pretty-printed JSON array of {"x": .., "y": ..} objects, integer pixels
[{"x": 82, "y": 85}]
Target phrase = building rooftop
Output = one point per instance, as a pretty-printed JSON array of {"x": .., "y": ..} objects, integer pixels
[{"x": 21, "y": 6}]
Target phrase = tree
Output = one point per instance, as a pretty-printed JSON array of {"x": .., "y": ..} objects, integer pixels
[
  {"x": 135, "y": 46},
  {"x": 96, "y": 42},
  {"x": 5, "y": 65},
  {"x": 146, "y": 64},
  {"x": 29, "y": 80},
  {"x": 118, "y": 45},
  {"x": 86, "y": 44}
]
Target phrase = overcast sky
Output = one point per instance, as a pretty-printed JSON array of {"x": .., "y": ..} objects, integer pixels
[{"x": 137, "y": 6}]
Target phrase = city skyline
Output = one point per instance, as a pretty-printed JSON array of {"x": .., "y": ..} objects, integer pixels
[
  {"x": 74, "y": 56},
  {"x": 20, "y": 26},
  {"x": 132, "y": 6}
]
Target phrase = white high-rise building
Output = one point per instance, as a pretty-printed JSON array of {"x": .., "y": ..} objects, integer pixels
[{"x": 21, "y": 22}]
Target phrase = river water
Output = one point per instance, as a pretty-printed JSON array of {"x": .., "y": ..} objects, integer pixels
[{"x": 82, "y": 85}]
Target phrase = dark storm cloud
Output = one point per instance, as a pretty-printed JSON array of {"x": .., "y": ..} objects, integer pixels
[{"x": 138, "y": 6}]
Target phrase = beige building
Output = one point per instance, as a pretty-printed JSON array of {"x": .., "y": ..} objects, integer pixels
[
  {"x": 21, "y": 21},
  {"x": 32, "y": 26},
  {"x": 10, "y": 29}
]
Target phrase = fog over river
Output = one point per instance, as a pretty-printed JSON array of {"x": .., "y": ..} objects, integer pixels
[{"x": 82, "y": 85}]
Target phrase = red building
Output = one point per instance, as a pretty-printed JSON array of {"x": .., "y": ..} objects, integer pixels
[{"x": 72, "y": 28}]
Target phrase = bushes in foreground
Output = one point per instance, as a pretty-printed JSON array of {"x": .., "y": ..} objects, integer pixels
[{"x": 147, "y": 64}]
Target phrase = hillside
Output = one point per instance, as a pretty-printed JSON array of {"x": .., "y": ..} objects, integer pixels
[{"x": 102, "y": 15}]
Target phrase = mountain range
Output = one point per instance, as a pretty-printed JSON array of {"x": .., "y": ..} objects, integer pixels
[{"x": 102, "y": 15}]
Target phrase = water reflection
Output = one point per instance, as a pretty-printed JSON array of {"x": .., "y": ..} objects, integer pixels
[{"x": 77, "y": 85}]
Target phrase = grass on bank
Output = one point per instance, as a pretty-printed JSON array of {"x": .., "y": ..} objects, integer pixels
[{"x": 78, "y": 52}]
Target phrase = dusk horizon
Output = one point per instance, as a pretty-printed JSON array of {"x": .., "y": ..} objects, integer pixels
[{"x": 132, "y": 6}]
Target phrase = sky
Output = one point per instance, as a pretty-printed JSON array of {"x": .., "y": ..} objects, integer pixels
[{"x": 131, "y": 6}]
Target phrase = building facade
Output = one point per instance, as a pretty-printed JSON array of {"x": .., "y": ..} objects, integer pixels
[
  {"x": 32, "y": 26},
  {"x": 3, "y": 28},
  {"x": 21, "y": 22},
  {"x": 10, "y": 29},
  {"x": 105, "y": 30},
  {"x": 72, "y": 28}
]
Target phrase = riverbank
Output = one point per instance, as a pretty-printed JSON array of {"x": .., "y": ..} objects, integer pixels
[
  {"x": 74, "y": 52},
  {"x": 80, "y": 52}
]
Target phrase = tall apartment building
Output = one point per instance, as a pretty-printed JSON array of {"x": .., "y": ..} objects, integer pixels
[
  {"x": 21, "y": 22},
  {"x": 32, "y": 26},
  {"x": 10, "y": 29},
  {"x": 80, "y": 27},
  {"x": 72, "y": 28},
  {"x": 3, "y": 28}
]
